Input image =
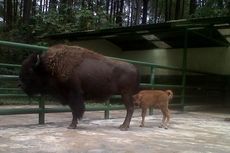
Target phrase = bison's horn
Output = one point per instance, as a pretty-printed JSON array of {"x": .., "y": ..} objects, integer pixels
[{"x": 38, "y": 60}]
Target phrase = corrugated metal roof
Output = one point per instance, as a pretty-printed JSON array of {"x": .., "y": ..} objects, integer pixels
[{"x": 204, "y": 32}]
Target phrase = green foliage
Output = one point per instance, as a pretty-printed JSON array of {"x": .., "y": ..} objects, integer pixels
[
  {"x": 212, "y": 8},
  {"x": 53, "y": 22}
]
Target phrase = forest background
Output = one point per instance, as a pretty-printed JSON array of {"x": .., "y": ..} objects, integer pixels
[{"x": 27, "y": 20}]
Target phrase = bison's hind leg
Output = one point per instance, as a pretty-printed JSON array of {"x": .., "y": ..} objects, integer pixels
[{"x": 127, "y": 99}]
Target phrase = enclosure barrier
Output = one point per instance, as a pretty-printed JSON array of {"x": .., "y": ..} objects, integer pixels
[{"x": 41, "y": 110}]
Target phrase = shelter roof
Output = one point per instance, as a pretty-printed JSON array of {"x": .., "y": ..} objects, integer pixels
[{"x": 202, "y": 32}]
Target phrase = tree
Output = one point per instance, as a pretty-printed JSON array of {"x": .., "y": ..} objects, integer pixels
[
  {"x": 53, "y": 5},
  {"x": 228, "y": 6},
  {"x": 179, "y": 9},
  {"x": 9, "y": 14},
  {"x": 145, "y": 11},
  {"x": 27, "y": 11},
  {"x": 192, "y": 7},
  {"x": 119, "y": 11},
  {"x": 72, "y": 15}
]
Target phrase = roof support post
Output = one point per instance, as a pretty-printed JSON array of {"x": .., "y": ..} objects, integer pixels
[
  {"x": 184, "y": 67},
  {"x": 152, "y": 79}
]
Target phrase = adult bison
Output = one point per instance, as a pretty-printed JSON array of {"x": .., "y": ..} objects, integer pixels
[{"x": 74, "y": 74}]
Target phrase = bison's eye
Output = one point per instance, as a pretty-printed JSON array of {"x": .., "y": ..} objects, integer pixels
[{"x": 19, "y": 85}]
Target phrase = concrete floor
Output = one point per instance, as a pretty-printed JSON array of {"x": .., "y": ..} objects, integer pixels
[{"x": 189, "y": 132}]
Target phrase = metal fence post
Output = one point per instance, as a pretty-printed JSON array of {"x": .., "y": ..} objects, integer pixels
[
  {"x": 41, "y": 110},
  {"x": 106, "y": 114},
  {"x": 184, "y": 67},
  {"x": 152, "y": 78}
]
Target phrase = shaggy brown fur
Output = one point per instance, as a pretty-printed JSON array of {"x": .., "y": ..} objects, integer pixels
[
  {"x": 61, "y": 59},
  {"x": 156, "y": 99}
]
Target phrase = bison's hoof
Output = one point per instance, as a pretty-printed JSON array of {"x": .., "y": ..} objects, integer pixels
[
  {"x": 141, "y": 125},
  {"x": 123, "y": 127},
  {"x": 72, "y": 126}
]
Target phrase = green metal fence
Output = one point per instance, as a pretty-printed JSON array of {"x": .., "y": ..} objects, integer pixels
[{"x": 41, "y": 110}]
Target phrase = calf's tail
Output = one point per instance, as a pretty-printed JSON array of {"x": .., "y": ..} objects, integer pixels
[{"x": 170, "y": 94}]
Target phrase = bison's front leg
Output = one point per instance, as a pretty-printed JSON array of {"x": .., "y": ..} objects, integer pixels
[
  {"x": 127, "y": 99},
  {"x": 74, "y": 122},
  {"x": 78, "y": 107}
]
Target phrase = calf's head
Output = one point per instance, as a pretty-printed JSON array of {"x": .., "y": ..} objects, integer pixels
[{"x": 137, "y": 99}]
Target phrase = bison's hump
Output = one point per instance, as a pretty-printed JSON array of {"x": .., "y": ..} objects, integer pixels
[{"x": 60, "y": 60}]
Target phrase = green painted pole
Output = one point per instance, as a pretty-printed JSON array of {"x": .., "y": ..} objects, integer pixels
[
  {"x": 21, "y": 45},
  {"x": 106, "y": 114},
  {"x": 184, "y": 67},
  {"x": 41, "y": 113},
  {"x": 152, "y": 78}
]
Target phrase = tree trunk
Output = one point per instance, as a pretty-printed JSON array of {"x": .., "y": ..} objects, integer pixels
[
  {"x": 107, "y": 6},
  {"x": 178, "y": 9},
  {"x": 170, "y": 12},
  {"x": 156, "y": 12},
  {"x": 27, "y": 10},
  {"x": 15, "y": 10},
  {"x": 40, "y": 7},
  {"x": 132, "y": 12},
  {"x": 192, "y": 7},
  {"x": 111, "y": 11},
  {"x": 119, "y": 12},
  {"x": 145, "y": 11},
  {"x": 228, "y": 7},
  {"x": 62, "y": 6},
  {"x": 129, "y": 12},
  {"x": 138, "y": 12},
  {"x": 9, "y": 15},
  {"x": 182, "y": 9},
  {"x": 53, "y": 5},
  {"x": 34, "y": 3},
  {"x": 166, "y": 11}
]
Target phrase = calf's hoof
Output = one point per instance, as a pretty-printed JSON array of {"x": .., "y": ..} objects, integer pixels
[{"x": 160, "y": 126}]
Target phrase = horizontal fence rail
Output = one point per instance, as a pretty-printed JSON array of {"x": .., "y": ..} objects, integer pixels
[{"x": 41, "y": 110}]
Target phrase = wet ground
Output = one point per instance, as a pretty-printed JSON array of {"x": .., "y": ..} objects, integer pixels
[{"x": 189, "y": 132}]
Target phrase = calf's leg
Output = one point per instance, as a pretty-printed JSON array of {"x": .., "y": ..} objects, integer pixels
[{"x": 143, "y": 114}]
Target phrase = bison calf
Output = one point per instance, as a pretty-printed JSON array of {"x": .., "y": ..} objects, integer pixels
[
  {"x": 157, "y": 99},
  {"x": 74, "y": 74}
]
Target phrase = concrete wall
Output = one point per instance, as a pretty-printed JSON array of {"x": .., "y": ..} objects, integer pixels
[
  {"x": 216, "y": 60},
  {"x": 101, "y": 46}
]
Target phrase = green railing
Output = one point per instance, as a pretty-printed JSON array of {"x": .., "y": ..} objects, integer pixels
[{"x": 41, "y": 110}]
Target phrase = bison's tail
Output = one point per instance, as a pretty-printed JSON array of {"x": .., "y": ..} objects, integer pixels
[{"x": 170, "y": 93}]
